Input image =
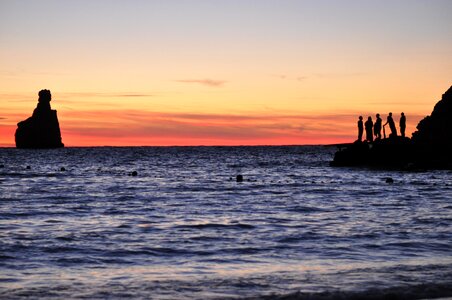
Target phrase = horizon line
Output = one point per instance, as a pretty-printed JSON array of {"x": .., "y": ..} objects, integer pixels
[{"x": 168, "y": 146}]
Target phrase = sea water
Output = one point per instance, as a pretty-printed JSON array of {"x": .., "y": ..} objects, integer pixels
[{"x": 75, "y": 223}]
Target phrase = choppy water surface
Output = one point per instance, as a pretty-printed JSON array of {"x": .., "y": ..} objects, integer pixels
[{"x": 183, "y": 228}]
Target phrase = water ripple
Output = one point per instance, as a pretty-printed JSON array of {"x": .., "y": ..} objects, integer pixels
[{"x": 183, "y": 228}]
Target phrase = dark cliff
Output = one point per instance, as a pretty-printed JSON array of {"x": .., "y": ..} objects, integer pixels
[
  {"x": 42, "y": 129},
  {"x": 433, "y": 138}
]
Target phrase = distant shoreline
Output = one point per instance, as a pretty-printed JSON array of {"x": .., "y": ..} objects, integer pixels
[{"x": 112, "y": 146}]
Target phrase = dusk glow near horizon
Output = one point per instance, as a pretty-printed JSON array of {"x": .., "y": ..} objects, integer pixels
[{"x": 235, "y": 72}]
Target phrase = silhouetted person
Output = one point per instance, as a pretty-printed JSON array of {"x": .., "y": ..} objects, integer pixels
[
  {"x": 390, "y": 122},
  {"x": 360, "y": 129},
  {"x": 402, "y": 124},
  {"x": 377, "y": 127},
  {"x": 369, "y": 128}
]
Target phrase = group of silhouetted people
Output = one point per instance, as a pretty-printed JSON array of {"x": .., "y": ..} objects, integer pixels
[{"x": 375, "y": 128}]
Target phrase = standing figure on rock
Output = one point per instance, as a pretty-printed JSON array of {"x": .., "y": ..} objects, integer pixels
[
  {"x": 377, "y": 127},
  {"x": 390, "y": 122},
  {"x": 369, "y": 127},
  {"x": 402, "y": 124},
  {"x": 360, "y": 129}
]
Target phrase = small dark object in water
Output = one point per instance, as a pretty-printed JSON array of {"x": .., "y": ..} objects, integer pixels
[
  {"x": 389, "y": 180},
  {"x": 63, "y": 169},
  {"x": 2, "y": 166},
  {"x": 134, "y": 173},
  {"x": 239, "y": 178},
  {"x": 28, "y": 168}
]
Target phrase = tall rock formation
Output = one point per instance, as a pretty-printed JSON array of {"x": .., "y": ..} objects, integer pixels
[
  {"x": 42, "y": 129},
  {"x": 433, "y": 138}
]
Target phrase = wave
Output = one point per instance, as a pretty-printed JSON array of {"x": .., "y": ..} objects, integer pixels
[
  {"x": 185, "y": 290},
  {"x": 307, "y": 209},
  {"x": 216, "y": 226},
  {"x": 421, "y": 291}
]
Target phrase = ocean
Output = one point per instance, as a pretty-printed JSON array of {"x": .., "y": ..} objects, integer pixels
[{"x": 75, "y": 223}]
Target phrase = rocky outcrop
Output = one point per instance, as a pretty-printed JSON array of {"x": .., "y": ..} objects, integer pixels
[
  {"x": 42, "y": 129},
  {"x": 393, "y": 152},
  {"x": 429, "y": 148},
  {"x": 433, "y": 138}
]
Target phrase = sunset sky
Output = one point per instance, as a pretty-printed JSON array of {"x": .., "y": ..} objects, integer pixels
[{"x": 229, "y": 72}]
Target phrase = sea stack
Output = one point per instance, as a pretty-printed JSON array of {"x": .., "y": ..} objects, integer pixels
[{"x": 42, "y": 129}]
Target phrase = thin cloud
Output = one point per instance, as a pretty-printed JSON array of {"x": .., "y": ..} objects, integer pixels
[
  {"x": 280, "y": 76},
  {"x": 398, "y": 103},
  {"x": 18, "y": 97},
  {"x": 134, "y": 95},
  {"x": 222, "y": 126},
  {"x": 142, "y": 116},
  {"x": 339, "y": 75},
  {"x": 287, "y": 77},
  {"x": 21, "y": 72},
  {"x": 206, "y": 82},
  {"x": 69, "y": 96},
  {"x": 117, "y": 126},
  {"x": 104, "y": 95},
  {"x": 301, "y": 78}
]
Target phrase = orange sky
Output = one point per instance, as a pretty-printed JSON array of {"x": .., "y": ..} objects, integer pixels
[{"x": 234, "y": 73}]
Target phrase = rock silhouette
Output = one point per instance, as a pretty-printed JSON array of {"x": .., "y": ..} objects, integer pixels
[
  {"x": 42, "y": 129},
  {"x": 239, "y": 178},
  {"x": 429, "y": 148},
  {"x": 436, "y": 129},
  {"x": 433, "y": 138}
]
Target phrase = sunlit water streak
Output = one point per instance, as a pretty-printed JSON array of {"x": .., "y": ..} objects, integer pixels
[{"x": 184, "y": 228}]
